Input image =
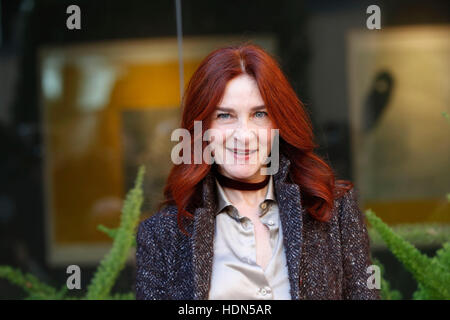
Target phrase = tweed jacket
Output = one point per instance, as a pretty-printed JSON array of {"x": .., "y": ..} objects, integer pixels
[{"x": 326, "y": 260}]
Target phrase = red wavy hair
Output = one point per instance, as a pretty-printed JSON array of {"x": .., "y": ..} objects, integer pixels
[{"x": 204, "y": 92}]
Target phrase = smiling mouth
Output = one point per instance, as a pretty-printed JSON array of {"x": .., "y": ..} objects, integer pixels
[{"x": 239, "y": 152}]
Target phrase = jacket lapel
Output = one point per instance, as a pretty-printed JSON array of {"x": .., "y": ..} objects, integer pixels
[
  {"x": 289, "y": 202},
  {"x": 291, "y": 211},
  {"x": 203, "y": 240}
]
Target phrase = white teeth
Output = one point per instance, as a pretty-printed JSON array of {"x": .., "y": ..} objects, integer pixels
[{"x": 242, "y": 153}]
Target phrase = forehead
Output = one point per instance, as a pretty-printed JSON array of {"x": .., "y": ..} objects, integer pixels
[{"x": 241, "y": 92}]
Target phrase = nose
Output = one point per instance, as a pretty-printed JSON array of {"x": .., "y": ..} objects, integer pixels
[{"x": 244, "y": 136}]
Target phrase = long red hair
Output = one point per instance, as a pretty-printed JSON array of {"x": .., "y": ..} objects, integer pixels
[{"x": 204, "y": 92}]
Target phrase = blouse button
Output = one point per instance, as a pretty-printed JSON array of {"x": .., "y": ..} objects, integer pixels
[
  {"x": 270, "y": 222},
  {"x": 263, "y": 205},
  {"x": 265, "y": 291}
]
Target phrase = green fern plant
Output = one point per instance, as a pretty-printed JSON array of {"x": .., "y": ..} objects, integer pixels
[
  {"x": 109, "y": 268},
  {"x": 431, "y": 274}
]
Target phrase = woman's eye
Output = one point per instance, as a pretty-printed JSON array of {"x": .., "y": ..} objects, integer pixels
[
  {"x": 223, "y": 115},
  {"x": 260, "y": 114}
]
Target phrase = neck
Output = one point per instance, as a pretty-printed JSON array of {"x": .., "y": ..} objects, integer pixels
[
  {"x": 247, "y": 197},
  {"x": 248, "y": 192}
]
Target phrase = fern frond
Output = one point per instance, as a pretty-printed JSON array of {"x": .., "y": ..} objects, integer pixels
[
  {"x": 430, "y": 273},
  {"x": 35, "y": 289},
  {"x": 115, "y": 260}
]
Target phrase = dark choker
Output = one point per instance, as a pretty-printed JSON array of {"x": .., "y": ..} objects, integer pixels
[{"x": 239, "y": 185}]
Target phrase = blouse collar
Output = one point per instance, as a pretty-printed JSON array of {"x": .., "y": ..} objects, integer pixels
[{"x": 224, "y": 202}]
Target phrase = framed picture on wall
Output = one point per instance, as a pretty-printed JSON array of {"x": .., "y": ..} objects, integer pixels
[{"x": 398, "y": 88}]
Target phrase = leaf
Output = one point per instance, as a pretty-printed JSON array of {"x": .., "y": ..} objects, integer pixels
[
  {"x": 124, "y": 237},
  {"x": 36, "y": 289},
  {"x": 431, "y": 274}
]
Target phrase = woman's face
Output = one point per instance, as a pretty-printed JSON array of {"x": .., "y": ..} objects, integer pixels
[{"x": 244, "y": 136}]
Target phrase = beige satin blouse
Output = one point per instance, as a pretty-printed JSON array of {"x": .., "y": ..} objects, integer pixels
[{"x": 235, "y": 273}]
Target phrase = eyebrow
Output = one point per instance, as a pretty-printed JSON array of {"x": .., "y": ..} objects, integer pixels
[{"x": 226, "y": 109}]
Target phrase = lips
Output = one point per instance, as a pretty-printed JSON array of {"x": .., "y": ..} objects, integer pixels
[{"x": 241, "y": 152}]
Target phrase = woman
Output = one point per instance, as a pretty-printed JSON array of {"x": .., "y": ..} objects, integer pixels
[{"x": 232, "y": 226}]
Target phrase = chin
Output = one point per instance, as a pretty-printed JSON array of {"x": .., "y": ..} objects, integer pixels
[{"x": 241, "y": 172}]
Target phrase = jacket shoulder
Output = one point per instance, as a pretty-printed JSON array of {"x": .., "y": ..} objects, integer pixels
[
  {"x": 161, "y": 217},
  {"x": 159, "y": 226},
  {"x": 154, "y": 250},
  {"x": 349, "y": 213},
  {"x": 348, "y": 204},
  {"x": 355, "y": 245},
  {"x": 345, "y": 197}
]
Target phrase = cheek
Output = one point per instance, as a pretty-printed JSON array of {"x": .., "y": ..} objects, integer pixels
[
  {"x": 266, "y": 137},
  {"x": 218, "y": 138}
]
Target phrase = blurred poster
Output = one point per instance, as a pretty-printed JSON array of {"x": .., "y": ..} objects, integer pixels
[
  {"x": 398, "y": 85},
  {"x": 146, "y": 139}
]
